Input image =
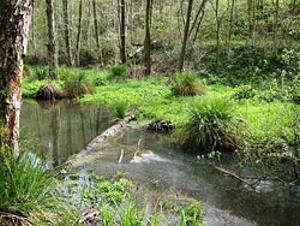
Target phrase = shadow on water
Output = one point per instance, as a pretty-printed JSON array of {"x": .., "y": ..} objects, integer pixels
[{"x": 61, "y": 130}]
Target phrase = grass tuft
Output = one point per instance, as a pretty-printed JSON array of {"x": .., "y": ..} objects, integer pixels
[
  {"x": 78, "y": 85},
  {"x": 212, "y": 124},
  {"x": 186, "y": 84}
]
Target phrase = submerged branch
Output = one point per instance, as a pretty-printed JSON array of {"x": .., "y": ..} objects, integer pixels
[{"x": 235, "y": 176}]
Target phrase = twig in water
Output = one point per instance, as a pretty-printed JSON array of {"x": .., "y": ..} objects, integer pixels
[
  {"x": 121, "y": 156},
  {"x": 252, "y": 185}
]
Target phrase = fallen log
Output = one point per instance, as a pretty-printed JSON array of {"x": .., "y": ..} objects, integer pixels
[{"x": 109, "y": 133}]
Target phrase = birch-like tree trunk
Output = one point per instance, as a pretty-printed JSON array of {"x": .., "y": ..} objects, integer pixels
[
  {"x": 15, "y": 17},
  {"x": 52, "y": 47}
]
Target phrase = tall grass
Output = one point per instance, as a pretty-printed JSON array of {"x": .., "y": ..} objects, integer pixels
[
  {"x": 186, "y": 84},
  {"x": 121, "y": 109},
  {"x": 25, "y": 183},
  {"x": 212, "y": 124}
]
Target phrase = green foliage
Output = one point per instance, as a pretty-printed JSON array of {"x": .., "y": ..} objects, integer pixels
[
  {"x": 193, "y": 214},
  {"x": 31, "y": 88},
  {"x": 78, "y": 85},
  {"x": 186, "y": 84},
  {"x": 27, "y": 186},
  {"x": 118, "y": 71},
  {"x": 114, "y": 192},
  {"x": 212, "y": 124},
  {"x": 244, "y": 92},
  {"x": 121, "y": 109},
  {"x": 133, "y": 215},
  {"x": 274, "y": 150}
]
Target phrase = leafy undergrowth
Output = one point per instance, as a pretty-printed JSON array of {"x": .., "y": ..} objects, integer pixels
[
  {"x": 32, "y": 194},
  {"x": 116, "y": 201}
]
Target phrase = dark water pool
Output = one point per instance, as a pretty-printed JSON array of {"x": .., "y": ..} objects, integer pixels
[{"x": 64, "y": 129}]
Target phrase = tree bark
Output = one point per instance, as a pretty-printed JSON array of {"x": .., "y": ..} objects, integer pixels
[
  {"x": 79, "y": 34},
  {"x": 99, "y": 50},
  {"x": 186, "y": 34},
  {"x": 67, "y": 32},
  {"x": 123, "y": 32},
  {"x": 15, "y": 18},
  {"x": 52, "y": 47},
  {"x": 147, "y": 41}
]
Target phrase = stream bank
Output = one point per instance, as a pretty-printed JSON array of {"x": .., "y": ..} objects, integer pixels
[{"x": 166, "y": 169}]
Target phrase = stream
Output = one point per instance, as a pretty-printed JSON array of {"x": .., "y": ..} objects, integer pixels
[{"x": 62, "y": 129}]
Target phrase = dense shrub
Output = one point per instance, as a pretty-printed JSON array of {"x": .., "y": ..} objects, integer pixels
[
  {"x": 118, "y": 71},
  {"x": 186, "y": 84},
  {"x": 78, "y": 85},
  {"x": 212, "y": 124}
]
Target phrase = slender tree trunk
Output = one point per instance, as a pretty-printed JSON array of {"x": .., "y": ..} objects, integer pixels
[
  {"x": 186, "y": 34},
  {"x": 99, "y": 50},
  {"x": 231, "y": 18},
  {"x": 218, "y": 27},
  {"x": 33, "y": 27},
  {"x": 67, "y": 31},
  {"x": 147, "y": 41},
  {"x": 123, "y": 32},
  {"x": 15, "y": 18},
  {"x": 79, "y": 34},
  {"x": 276, "y": 27},
  {"x": 52, "y": 47}
]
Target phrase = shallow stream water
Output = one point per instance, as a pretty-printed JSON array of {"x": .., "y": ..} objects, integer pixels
[{"x": 63, "y": 129}]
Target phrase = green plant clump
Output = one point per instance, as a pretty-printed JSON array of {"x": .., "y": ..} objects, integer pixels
[
  {"x": 78, "y": 85},
  {"x": 26, "y": 189},
  {"x": 121, "y": 109},
  {"x": 186, "y": 84},
  {"x": 118, "y": 71},
  {"x": 212, "y": 125}
]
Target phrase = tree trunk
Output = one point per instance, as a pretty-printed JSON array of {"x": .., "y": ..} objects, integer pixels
[
  {"x": 14, "y": 22},
  {"x": 186, "y": 34},
  {"x": 99, "y": 50},
  {"x": 147, "y": 41},
  {"x": 123, "y": 32},
  {"x": 52, "y": 48},
  {"x": 231, "y": 18},
  {"x": 218, "y": 28},
  {"x": 67, "y": 31},
  {"x": 78, "y": 34}
]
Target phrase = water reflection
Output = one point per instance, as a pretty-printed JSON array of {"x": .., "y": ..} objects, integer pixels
[{"x": 59, "y": 130}]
